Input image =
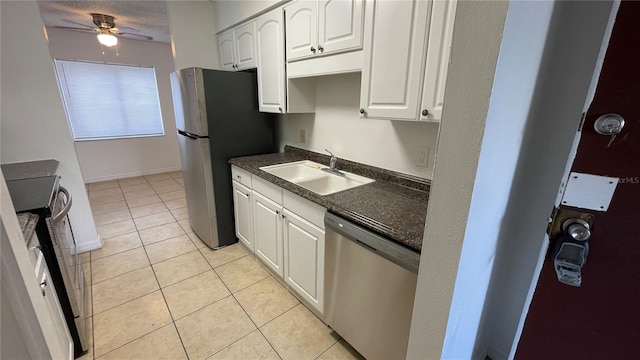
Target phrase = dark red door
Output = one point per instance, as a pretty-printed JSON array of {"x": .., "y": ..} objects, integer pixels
[{"x": 601, "y": 319}]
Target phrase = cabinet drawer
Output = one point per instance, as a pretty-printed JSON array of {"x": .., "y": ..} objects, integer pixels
[
  {"x": 270, "y": 191},
  {"x": 304, "y": 208},
  {"x": 241, "y": 176}
]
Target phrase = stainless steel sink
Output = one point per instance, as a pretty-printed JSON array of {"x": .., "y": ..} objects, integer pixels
[{"x": 310, "y": 176}]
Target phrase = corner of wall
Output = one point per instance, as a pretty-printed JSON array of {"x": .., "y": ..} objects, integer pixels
[{"x": 193, "y": 38}]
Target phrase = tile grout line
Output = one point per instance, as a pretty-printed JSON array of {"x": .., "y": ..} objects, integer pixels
[
  {"x": 173, "y": 320},
  {"x": 256, "y": 325},
  {"x": 241, "y": 307}
]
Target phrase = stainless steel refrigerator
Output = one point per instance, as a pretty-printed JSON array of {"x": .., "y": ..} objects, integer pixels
[{"x": 217, "y": 118}]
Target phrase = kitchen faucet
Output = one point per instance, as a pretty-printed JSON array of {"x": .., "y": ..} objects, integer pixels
[{"x": 332, "y": 165}]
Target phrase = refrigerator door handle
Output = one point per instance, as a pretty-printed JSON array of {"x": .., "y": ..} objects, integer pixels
[{"x": 189, "y": 135}]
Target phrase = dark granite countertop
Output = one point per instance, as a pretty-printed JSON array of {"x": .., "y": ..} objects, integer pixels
[
  {"x": 395, "y": 205},
  {"x": 29, "y": 169}
]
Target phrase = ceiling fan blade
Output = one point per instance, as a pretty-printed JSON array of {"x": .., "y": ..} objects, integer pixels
[
  {"x": 79, "y": 24},
  {"x": 134, "y": 36},
  {"x": 76, "y": 29}
]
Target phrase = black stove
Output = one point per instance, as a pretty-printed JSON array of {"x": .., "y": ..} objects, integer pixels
[{"x": 34, "y": 194}]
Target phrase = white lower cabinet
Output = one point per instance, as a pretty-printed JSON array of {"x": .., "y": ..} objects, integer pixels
[
  {"x": 48, "y": 292},
  {"x": 286, "y": 233},
  {"x": 267, "y": 224},
  {"x": 304, "y": 259},
  {"x": 242, "y": 206}
]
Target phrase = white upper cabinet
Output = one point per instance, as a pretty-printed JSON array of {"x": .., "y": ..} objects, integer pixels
[
  {"x": 393, "y": 58},
  {"x": 340, "y": 25},
  {"x": 437, "y": 61},
  {"x": 322, "y": 27},
  {"x": 270, "y": 53},
  {"x": 227, "y": 50},
  {"x": 302, "y": 29},
  {"x": 406, "y": 57},
  {"x": 245, "y": 46},
  {"x": 237, "y": 47}
]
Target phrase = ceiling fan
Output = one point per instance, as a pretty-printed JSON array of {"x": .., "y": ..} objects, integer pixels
[{"x": 107, "y": 31}]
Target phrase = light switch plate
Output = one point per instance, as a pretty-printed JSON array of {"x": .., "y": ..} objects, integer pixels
[{"x": 586, "y": 191}]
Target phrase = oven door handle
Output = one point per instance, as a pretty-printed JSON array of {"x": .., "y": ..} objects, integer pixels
[{"x": 59, "y": 216}]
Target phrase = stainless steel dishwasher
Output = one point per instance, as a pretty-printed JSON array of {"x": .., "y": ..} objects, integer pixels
[{"x": 370, "y": 285}]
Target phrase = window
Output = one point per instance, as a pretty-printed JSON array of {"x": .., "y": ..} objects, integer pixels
[{"x": 107, "y": 101}]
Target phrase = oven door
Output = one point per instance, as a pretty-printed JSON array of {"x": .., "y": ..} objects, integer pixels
[{"x": 68, "y": 260}]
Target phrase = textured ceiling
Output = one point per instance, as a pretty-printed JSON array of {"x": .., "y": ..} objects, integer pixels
[{"x": 136, "y": 17}]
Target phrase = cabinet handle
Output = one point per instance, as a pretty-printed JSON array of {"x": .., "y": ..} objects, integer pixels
[
  {"x": 313, "y": 50},
  {"x": 284, "y": 217},
  {"x": 362, "y": 111},
  {"x": 277, "y": 212},
  {"x": 247, "y": 194},
  {"x": 280, "y": 108},
  {"x": 238, "y": 176},
  {"x": 425, "y": 112},
  {"x": 320, "y": 48}
]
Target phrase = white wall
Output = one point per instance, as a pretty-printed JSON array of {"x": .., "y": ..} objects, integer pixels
[
  {"x": 34, "y": 124},
  {"x": 547, "y": 56},
  {"x": 232, "y": 12},
  {"x": 118, "y": 158},
  {"x": 556, "y": 101},
  {"x": 476, "y": 44},
  {"x": 336, "y": 125},
  {"x": 193, "y": 39}
]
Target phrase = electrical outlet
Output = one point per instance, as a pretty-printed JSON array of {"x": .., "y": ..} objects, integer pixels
[
  {"x": 422, "y": 156},
  {"x": 303, "y": 136}
]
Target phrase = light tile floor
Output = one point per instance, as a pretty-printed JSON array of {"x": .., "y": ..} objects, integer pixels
[{"x": 158, "y": 292}]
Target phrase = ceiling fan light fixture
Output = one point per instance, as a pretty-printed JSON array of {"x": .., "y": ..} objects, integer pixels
[{"x": 108, "y": 40}]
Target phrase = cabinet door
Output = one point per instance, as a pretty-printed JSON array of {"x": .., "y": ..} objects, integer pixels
[
  {"x": 304, "y": 259},
  {"x": 393, "y": 56},
  {"x": 243, "y": 215},
  {"x": 245, "y": 45},
  {"x": 227, "y": 50},
  {"x": 52, "y": 302},
  {"x": 340, "y": 25},
  {"x": 302, "y": 29},
  {"x": 270, "y": 48},
  {"x": 267, "y": 225},
  {"x": 438, "y": 51}
]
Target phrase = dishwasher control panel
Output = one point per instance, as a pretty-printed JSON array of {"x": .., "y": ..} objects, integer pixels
[{"x": 396, "y": 253}]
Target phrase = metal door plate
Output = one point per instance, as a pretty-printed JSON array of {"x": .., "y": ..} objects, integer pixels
[{"x": 587, "y": 191}]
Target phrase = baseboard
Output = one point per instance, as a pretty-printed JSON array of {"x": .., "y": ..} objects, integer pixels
[
  {"x": 131, "y": 174},
  {"x": 93, "y": 245}
]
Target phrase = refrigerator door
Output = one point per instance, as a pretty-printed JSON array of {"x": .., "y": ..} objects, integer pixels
[
  {"x": 198, "y": 186},
  {"x": 189, "y": 101}
]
